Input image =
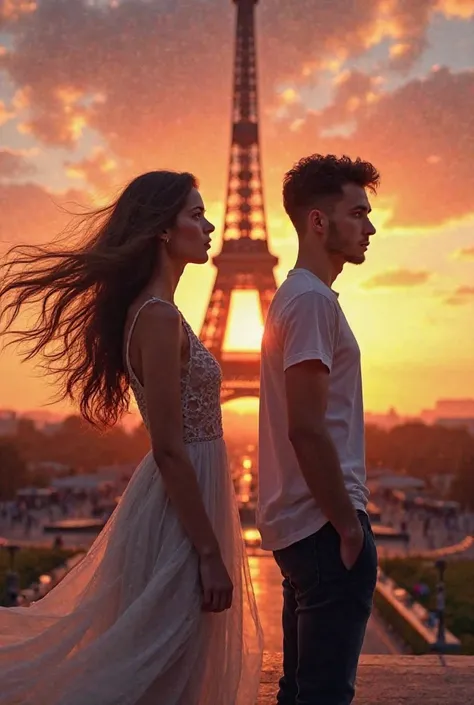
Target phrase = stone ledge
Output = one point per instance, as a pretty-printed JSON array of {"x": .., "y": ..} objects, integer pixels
[{"x": 395, "y": 680}]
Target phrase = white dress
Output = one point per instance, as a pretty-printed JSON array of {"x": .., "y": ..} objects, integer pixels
[{"x": 125, "y": 626}]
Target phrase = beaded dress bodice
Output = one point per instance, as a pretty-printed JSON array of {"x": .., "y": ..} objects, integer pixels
[{"x": 200, "y": 389}]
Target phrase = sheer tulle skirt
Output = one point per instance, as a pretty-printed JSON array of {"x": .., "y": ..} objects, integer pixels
[{"x": 125, "y": 626}]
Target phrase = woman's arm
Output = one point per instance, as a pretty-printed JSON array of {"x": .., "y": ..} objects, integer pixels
[{"x": 159, "y": 331}]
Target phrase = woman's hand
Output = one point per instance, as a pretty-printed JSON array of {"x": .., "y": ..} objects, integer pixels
[{"x": 216, "y": 583}]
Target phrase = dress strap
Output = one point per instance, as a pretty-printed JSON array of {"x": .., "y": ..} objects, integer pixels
[{"x": 153, "y": 299}]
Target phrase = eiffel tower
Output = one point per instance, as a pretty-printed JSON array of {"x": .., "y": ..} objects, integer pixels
[{"x": 244, "y": 262}]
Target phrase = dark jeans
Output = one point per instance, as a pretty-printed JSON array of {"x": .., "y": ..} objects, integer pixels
[{"x": 325, "y": 613}]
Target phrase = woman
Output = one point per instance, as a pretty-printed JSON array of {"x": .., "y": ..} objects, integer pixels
[{"x": 161, "y": 610}]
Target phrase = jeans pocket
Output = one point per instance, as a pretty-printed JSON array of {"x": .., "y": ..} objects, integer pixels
[
  {"x": 363, "y": 550},
  {"x": 364, "y": 570},
  {"x": 298, "y": 564}
]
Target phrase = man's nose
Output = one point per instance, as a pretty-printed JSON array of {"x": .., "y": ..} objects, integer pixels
[{"x": 371, "y": 229}]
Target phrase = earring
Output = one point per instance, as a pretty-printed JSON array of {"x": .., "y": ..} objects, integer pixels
[{"x": 165, "y": 239}]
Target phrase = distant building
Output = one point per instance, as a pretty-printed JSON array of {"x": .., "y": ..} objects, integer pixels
[
  {"x": 442, "y": 483},
  {"x": 49, "y": 429},
  {"x": 8, "y": 423},
  {"x": 455, "y": 407},
  {"x": 79, "y": 483},
  {"x": 49, "y": 467},
  {"x": 387, "y": 421},
  {"x": 447, "y": 410},
  {"x": 394, "y": 482},
  {"x": 468, "y": 424},
  {"x": 116, "y": 472}
]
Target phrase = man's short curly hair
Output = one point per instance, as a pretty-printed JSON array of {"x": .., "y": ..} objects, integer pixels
[{"x": 320, "y": 177}]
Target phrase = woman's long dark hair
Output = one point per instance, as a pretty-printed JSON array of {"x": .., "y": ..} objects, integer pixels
[{"x": 81, "y": 291}]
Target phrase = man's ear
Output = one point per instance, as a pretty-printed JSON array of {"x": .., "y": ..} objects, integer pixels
[{"x": 317, "y": 221}]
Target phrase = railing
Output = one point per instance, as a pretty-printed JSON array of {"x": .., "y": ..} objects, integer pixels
[
  {"x": 418, "y": 628},
  {"x": 48, "y": 581},
  {"x": 448, "y": 551}
]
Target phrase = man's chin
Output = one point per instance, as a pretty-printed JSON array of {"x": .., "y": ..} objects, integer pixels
[{"x": 355, "y": 259}]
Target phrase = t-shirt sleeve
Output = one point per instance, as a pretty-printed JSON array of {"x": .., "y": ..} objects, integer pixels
[{"x": 309, "y": 326}]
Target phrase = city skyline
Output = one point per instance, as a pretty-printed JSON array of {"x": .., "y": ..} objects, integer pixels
[
  {"x": 444, "y": 410},
  {"x": 388, "y": 84}
]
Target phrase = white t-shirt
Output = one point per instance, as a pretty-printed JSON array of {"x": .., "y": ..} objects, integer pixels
[{"x": 306, "y": 322}]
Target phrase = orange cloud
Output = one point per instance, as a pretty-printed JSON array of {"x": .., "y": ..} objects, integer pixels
[
  {"x": 354, "y": 90},
  {"x": 13, "y": 10},
  {"x": 406, "y": 23},
  {"x": 290, "y": 96},
  {"x": 132, "y": 54},
  {"x": 461, "y": 296},
  {"x": 399, "y": 49},
  {"x": 456, "y": 8},
  {"x": 32, "y": 214},
  {"x": 98, "y": 170},
  {"x": 119, "y": 71},
  {"x": 13, "y": 164},
  {"x": 5, "y": 113},
  {"x": 399, "y": 278},
  {"x": 419, "y": 137},
  {"x": 21, "y": 99},
  {"x": 466, "y": 253},
  {"x": 60, "y": 121}
]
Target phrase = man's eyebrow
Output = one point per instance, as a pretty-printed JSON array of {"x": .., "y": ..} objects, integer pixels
[{"x": 362, "y": 207}]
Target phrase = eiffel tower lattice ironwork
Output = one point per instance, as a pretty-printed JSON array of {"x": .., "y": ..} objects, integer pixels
[{"x": 244, "y": 262}]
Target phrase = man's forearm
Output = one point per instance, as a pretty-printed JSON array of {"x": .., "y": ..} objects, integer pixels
[{"x": 319, "y": 463}]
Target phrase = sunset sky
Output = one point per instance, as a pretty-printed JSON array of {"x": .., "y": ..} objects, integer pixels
[{"x": 95, "y": 92}]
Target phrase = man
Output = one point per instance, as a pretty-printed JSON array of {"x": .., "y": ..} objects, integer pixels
[{"x": 312, "y": 494}]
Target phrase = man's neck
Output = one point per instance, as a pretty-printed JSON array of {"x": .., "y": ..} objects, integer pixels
[{"x": 325, "y": 267}]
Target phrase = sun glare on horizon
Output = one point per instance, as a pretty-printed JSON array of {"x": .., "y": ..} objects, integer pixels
[{"x": 245, "y": 324}]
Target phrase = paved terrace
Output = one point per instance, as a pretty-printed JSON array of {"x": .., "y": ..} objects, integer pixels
[{"x": 396, "y": 680}]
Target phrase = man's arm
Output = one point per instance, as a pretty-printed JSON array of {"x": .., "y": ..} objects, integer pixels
[{"x": 306, "y": 393}]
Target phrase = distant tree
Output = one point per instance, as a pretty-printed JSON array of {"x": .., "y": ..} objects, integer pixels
[
  {"x": 29, "y": 440},
  {"x": 78, "y": 444},
  {"x": 418, "y": 449},
  {"x": 462, "y": 489},
  {"x": 13, "y": 470},
  {"x": 376, "y": 442}
]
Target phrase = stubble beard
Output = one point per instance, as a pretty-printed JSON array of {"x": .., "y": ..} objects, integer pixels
[{"x": 335, "y": 245}]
